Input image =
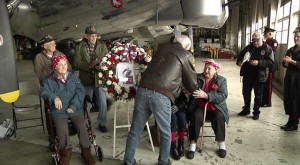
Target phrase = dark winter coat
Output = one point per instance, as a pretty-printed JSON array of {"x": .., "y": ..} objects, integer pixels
[
  {"x": 70, "y": 93},
  {"x": 217, "y": 97},
  {"x": 291, "y": 86},
  {"x": 265, "y": 56}
]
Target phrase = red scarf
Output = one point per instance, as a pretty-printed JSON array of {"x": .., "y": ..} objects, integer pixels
[{"x": 202, "y": 102}]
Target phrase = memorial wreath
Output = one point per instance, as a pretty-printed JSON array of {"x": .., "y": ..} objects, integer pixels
[{"x": 107, "y": 76}]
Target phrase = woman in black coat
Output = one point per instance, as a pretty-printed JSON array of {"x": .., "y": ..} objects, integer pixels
[{"x": 291, "y": 87}]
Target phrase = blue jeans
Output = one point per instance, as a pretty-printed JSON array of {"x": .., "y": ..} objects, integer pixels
[
  {"x": 147, "y": 102},
  {"x": 101, "y": 102},
  {"x": 178, "y": 121}
]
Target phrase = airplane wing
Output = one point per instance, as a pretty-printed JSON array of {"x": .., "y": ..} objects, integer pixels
[
  {"x": 67, "y": 19},
  {"x": 9, "y": 89}
]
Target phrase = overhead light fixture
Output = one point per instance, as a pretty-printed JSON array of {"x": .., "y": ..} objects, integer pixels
[{"x": 130, "y": 30}]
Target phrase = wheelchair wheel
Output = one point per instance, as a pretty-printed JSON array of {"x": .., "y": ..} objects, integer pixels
[{"x": 99, "y": 153}]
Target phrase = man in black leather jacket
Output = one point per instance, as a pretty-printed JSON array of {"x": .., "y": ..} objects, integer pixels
[{"x": 169, "y": 71}]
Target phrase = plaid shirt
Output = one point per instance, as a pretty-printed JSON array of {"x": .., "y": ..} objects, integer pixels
[{"x": 90, "y": 50}]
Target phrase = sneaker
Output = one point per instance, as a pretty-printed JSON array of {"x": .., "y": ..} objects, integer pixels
[
  {"x": 103, "y": 129},
  {"x": 244, "y": 112},
  {"x": 125, "y": 163},
  {"x": 166, "y": 163}
]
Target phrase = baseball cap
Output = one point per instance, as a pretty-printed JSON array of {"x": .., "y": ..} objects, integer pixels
[
  {"x": 256, "y": 36},
  {"x": 267, "y": 29},
  {"x": 91, "y": 30},
  {"x": 46, "y": 39}
]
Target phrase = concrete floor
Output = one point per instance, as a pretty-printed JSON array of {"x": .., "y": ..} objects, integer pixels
[{"x": 247, "y": 141}]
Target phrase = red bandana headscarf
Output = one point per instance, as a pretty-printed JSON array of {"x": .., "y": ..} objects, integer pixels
[
  {"x": 212, "y": 63},
  {"x": 56, "y": 59}
]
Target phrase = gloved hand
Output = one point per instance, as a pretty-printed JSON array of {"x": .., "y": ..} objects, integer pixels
[{"x": 174, "y": 108}]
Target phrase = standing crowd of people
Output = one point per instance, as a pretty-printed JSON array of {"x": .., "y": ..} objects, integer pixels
[
  {"x": 170, "y": 89},
  {"x": 259, "y": 62}
]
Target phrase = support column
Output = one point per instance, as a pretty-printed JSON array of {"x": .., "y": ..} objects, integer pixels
[
  {"x": 177, "y": 31},
  {"x": 190, "y": 33}
]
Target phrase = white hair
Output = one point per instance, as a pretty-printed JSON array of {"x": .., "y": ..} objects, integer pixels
[{"x": 184, "y": 41}]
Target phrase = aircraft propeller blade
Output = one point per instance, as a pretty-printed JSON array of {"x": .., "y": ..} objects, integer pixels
[{"x": 9, "y": 88}]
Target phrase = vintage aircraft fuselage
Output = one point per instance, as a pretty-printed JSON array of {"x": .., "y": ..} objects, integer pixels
[{"x": 67, "y": 19}]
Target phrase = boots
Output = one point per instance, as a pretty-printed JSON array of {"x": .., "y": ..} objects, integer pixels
[
  {"x": 174, "y": 152},
  {"x": 291, "y": 125},
  {"x": 288, "y": 124},
  {"x": 87, "y": 156},
  {"x": 65, "y": 156},
  {"x": 180, "y": 148}
]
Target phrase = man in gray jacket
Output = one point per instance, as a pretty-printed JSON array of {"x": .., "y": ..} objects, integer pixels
[{"x": 169, "y": 71}]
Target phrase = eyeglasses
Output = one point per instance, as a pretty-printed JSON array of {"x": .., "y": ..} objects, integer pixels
[{"x": 255, "y": 40}]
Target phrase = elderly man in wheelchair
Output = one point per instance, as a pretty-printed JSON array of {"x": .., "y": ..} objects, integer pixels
[{"x": 65, "y": 93}]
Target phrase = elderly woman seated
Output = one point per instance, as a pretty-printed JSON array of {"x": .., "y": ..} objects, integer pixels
[
  {"x": 212, "y": 90},
  {"x": 65, "y": 94}
]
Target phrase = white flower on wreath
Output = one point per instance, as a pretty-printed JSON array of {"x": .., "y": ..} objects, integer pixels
[
  {"x": 110, "y": 72},
  {"x": 108, "y": 82},
  {"x": 104, "y": 59},
  {"x": 105, "y": 68},
  {"x": 117, "y": 87},
  {"x": 148, "y": 58},
  {"x": 108, "y": 62},
  {"x": 117, "y": 57},
  {"x": 141, "y": 49},
  {"x": 100, "y": 82},
  {"x": 100, "y": 75}
]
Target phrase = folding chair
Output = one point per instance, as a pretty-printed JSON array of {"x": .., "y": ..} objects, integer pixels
[
  {"x": 29, "y": 102},
  {"x": 202, "y": 128}
]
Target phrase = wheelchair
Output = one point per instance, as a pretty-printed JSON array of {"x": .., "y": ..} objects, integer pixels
[{"x": 54, "y": 147}]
